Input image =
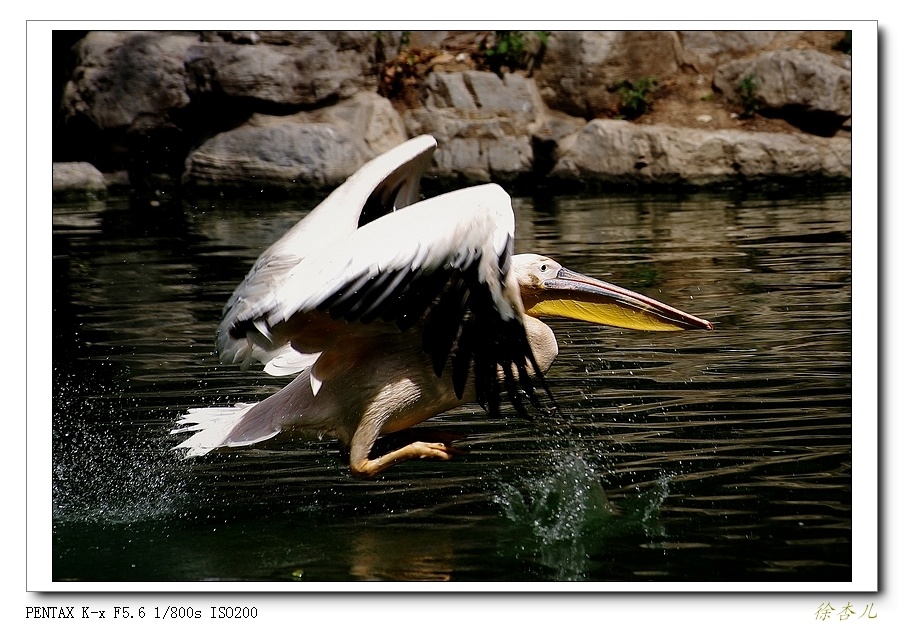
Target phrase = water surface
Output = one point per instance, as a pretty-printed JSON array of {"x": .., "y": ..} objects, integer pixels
[{"x": 694, "y": 456}]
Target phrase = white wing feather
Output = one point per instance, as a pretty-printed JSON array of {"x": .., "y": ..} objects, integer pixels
[
  {"x": 476, "y": 222},
  {"x": 392, "y": 180},
  {"x": 288, "y": 361}
]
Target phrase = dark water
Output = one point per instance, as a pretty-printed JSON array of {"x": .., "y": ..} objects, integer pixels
[{"x": 711, "y": 457}]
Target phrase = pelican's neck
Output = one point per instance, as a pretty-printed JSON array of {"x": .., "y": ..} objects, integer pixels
[{"x": 542, "y": 342}]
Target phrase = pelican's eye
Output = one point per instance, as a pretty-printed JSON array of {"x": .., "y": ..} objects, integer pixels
[{"x": 544, "y": 267}]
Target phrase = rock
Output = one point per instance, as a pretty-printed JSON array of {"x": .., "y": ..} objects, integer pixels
[
  {"x": 805, "y": 87},
  {"x": 704, "y": 50},
  {"x": 237, "y": 37},
  {"x": 580, "y": 69},
  {"x": 448, "y": 90},
  {"x": 482, "y": 123},
  {"x": 618, "y": 152},
  {"x": 512, "y": 93},
  {"x": 309, "y": 149},
  {"x": 317, "y": 67},
  {"x": 122, "y": 76},
  {"x": 482, "y": 160},
  {"x": 288, "y": 109},
  {"x": 546, "y": 138},
  {"x": 150, "y": 96},
  {"x": 476, "y": 91},
  {"x": 78, "y": 180},
  {"x": 271, "y": 152},
  {"x": 367, "y": 117}
]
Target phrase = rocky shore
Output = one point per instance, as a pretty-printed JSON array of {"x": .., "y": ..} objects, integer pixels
[{"x": 192, "y": 113}]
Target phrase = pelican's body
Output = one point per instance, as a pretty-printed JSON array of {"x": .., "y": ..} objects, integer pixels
[{"x": 392, "y": 311}]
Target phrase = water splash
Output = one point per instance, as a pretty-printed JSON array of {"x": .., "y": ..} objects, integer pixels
[
  {"x": 642, "y": 511},
  {"x": 563, "y": 519},
  {"x": 104, "y": 471},
  {"x": 102, "y": 480},
  {"x": 563, "y": 511}
]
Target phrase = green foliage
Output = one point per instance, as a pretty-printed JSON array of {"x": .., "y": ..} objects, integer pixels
[
  {"x": 747, "y": 95},
  {"x": 509, "y": 46},
  {"x": 636, "y": 98},
  {"x": 514, "y": 49}
]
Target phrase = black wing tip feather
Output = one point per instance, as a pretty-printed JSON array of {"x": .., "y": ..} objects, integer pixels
[
  {"x": 461, "y": 328},
  {"x": 513, "y": 355},
  {"x": 501, "y": 345}
]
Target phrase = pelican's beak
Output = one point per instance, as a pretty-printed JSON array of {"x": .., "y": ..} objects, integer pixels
[{"x": 579, "y": 297}]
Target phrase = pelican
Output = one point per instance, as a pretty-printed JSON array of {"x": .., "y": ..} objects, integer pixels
[{"x": 390, "y": 310}]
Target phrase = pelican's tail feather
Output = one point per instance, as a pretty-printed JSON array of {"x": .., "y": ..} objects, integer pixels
[{"x": 222, "y": 428}]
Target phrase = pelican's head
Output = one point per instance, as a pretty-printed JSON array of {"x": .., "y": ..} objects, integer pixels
[{"x": 550, "y": 289}]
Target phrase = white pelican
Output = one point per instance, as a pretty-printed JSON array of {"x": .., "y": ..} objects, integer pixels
[{"x": 393, "y": 310}]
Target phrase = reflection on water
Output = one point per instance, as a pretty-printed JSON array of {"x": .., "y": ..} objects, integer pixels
[{"x": 719, "y": 456}]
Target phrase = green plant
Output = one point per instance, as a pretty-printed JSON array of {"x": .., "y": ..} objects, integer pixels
[
  {"x": 635, "y": 98},
  {"x": 514, "y": 49},
  {"x": 747, "y": 94}
]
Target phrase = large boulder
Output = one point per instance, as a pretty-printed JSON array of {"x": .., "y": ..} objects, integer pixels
[
  {"x": 619, "y": 152},
  {"x": 141, "y": 100},
  {"x": 123, "y": 76},
  {"x": 302, "y": 68},
  {"x": 78, "y": 180},
  {"x": 806, "y": 87},
  {"x": 305, "y": 150}
]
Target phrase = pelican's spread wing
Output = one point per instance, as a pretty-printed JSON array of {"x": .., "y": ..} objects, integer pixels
[
  {"x": 389, "y": 182},
  {"x": 443, "y": 264}
]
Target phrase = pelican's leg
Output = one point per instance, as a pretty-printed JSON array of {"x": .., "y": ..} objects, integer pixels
[
  {"x": 363, "y": 442},
  {"x": 399, "y": 438},
  {"x": 417, "y": 450}
]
